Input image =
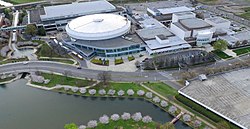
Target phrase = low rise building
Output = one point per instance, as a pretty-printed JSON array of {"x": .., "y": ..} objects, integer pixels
[{"x": 237, "y": 40}]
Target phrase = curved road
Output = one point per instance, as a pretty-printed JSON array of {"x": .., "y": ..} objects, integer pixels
[{"x": 73, "y": 71}]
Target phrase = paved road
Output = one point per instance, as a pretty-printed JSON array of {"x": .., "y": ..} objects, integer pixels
[{"x": 73, "y": 71}]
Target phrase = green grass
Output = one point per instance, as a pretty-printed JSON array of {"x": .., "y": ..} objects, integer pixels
[
  {"x": 21, "y": 1},
  {"x": 162, "y": 89},
  {"x": 100, "y": 62},
  {"x": 6, "y": 79},
  {"x": 13, "y": 60},
  {"x": 129, "y": 124},
  {"x": 63, "y": 80},
  {"x": 242, "y": 51},
  {"x": 118, "y": 61},
  {"x": 246, "y": 14},
  {"x": 130, "y": 58},
  {"x": 66, "y": 61},
  {"x": 221, "y": 54}
]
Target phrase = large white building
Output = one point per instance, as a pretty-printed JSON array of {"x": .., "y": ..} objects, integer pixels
[
  {"x": 158, "y": 38},
  {"x": 187, "y": 27},
  {"x": 98, "y": 27}
]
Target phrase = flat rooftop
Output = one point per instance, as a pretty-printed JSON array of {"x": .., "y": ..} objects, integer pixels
[
  {"x": 227, "y": 94},
  {"x": 185, "y": 13},
  {"x": 194, "y": 23},
  {"x": 175, "y": 10},
  {"x": 217, "y": 20},
  {"x": 76, "y": 9},
  {"x": 150, "y": 33}
]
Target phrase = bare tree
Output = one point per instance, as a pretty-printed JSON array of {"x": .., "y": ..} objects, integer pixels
[{"x": 104, "y": 77}]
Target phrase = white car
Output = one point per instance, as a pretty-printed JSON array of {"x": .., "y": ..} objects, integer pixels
[{"x": 25, "y": 63}]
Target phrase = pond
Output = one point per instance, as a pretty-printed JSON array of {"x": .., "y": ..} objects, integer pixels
[{"x": 24, "y": 107}]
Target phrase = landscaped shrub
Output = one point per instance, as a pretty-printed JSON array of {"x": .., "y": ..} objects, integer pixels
[
  {"x": 66, "y": 88},
  {"x": 197, "y": 123},
  {"x": 92, "y": 91},
  {"x": 111, "y": 92},
  {"x": 82, "y": 127},
  {"x": 156, "y": 99},
  {"x": 186, "y": 118},
  {"x": 118, "y": 61},
  {"x": 130, "y": 58},
  {"x": 140, "y": 92},
  {"x": 172, "y": 109},
  {"x": 100, "y": 62},
  {"x": 74, "y": 89}
]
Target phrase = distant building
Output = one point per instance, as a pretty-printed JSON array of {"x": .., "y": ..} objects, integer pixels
[
  {"x": 164, "y": 15},
  {"x": 191, "y": 29},
  {"x": 158, "y": 38},
  {"x": 237, "y": 40},
  {"x": 218, "y": 22}
]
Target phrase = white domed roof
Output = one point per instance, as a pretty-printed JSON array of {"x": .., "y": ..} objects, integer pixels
[{"x": 98, "y": 27}]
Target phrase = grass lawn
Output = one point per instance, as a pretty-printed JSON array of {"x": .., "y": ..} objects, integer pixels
[
  {"x": 21, "y": 1},
  {"x": 46, "y": 51},
  {"x": 162, "y": 89},
  {"x": 100, "y": 62},
  {"x": 66, "y": 61},
  {"x": 63, "y": 80},
  {"x": 221, "y": 54},
  {"x": 129, "y": 124},
  {"x": 118, "y": 61},
  {"x": 13, "y": 60},
  {"x": 6, "y": 79},
  {"x": 242, "y": 51},
  {"x": 130, "y": 58}
]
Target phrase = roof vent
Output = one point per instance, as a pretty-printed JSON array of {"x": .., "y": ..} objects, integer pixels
[{"x": 98, "y": 20}]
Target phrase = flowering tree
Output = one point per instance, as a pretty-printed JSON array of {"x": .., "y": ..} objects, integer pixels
[
  {"x": 104, "y": 119},
  {"x": 146, "y": 119},
  {"x": 140, "y": 92},
  {"x": 137, "y": 116},
  {"x": 172, "y": 109},
  {"x": 92, "y": 91},
  {"x": 83, "y": 90},
  {"x": 115, "y": 117},
  {"x": 111, "y": 92},
  {"x": 74, "y": 89},
  {"x": 186, "y": 117},
  {"x": 121, "y": 93},
  {"x": 102, "y": 92},
  {"x": 126, "y": 116},
  {"x": 82, "y": 127},
  {"x": 66, "y": 88},
  {"x": 197, "y": 123},
  {"x": 130, "y": 92},
  {"x": 92, "y": 124},
  {"x": 149, "y": 95},
  {"x": 164, "y": 103},
  {"x": 156, "y": 99}
]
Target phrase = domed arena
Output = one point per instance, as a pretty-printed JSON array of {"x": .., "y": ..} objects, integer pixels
[{"x": 98, "y": 27}]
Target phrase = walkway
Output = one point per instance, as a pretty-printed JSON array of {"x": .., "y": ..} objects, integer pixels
[
  {"x": 230, "y": 53},
  {"x": 175, "y": 104},
  {"x": 177, "y": 118}
]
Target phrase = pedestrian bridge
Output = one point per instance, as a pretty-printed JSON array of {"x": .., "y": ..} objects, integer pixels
[{"x": 13, "y": 28}]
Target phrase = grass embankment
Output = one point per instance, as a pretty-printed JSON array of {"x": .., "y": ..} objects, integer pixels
[
  {"x": 246, "y": 14},
  {"x": 200, "y": 109},
  {"x": 162, "y": 89},
  {"x": 13, "y": 61},
  {"x": 21, "y": 1},
  {"x": 242, "y": 51},
  {"x": 129, "y": 124},
  {"x": 221, "y": 54},
  {"x": 66, "y": 61},
  {"x": 63, "y": 80},
  {"x": 6, "y": 79}
]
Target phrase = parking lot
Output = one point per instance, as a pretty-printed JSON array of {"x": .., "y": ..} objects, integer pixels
[{"x": 228, "y": 94}]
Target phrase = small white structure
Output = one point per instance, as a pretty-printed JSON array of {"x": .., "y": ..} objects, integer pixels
[{"x": 202, "y": 77}]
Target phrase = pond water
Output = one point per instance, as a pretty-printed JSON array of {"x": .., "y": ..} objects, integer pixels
[{"x": 24, "y": 107}]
